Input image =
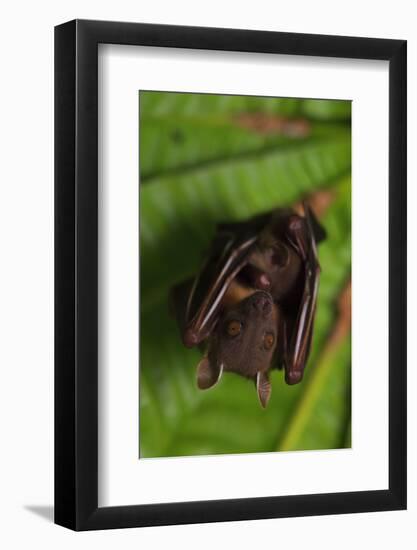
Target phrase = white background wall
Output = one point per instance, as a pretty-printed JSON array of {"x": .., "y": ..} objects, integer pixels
[{"x": 26, "y": 286}]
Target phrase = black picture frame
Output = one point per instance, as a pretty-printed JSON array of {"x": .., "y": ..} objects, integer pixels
[{"x": 76, "y": 272}]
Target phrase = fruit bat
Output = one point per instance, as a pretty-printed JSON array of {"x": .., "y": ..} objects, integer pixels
[{"x": 251, "y": 307}]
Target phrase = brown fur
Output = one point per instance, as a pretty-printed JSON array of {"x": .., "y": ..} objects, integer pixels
[{"x": 246, "y": 353}]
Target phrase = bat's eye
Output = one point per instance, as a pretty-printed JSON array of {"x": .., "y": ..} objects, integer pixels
[
  {"x": 269, "y": 340},
  {"x": 281, "y": 255},
  {"x": 234, "y": 328}
]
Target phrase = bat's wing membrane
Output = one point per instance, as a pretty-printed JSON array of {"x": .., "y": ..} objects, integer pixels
[{"x": 299, "y": 333}]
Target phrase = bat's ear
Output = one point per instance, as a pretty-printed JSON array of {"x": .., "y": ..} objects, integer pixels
[
  {"x": 263, "y": 387},
  {"x": 208, "y": 374}
]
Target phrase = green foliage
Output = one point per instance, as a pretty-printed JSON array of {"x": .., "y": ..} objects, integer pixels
[
  {"x": 200, "y": 166},
  {"x": 185, "y": 130},
  {"x": 325, "y": 109}
]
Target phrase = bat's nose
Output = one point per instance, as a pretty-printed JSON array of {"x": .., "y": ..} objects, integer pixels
[{"x": 262, "y": 302}]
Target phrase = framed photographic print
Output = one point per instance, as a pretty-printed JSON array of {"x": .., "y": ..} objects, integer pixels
[{"x": 230, "y": 274}]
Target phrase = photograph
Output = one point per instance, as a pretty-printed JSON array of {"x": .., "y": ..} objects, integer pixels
[
  {"x": 208, "y": 262},
  {"x": 245, "y": 274}
]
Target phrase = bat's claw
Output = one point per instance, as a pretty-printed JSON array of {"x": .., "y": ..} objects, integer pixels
[
  {"x": 293, "y": 377},
  {"x": 190, "y": 338}
]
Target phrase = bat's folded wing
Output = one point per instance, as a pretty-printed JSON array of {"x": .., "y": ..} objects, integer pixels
[
  {"x": 229, "y": 253},
  {"x": 301, "y": 237}
]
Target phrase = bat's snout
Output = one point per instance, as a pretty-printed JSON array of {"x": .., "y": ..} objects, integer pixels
[{"x": 262, "y": 302}]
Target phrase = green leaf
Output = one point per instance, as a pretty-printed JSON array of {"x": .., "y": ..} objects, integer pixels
[
  {"x": 185, "y": 130},
  {"x": 200, "y": 167},
  {"x": 327, "y": 109},
  {"x": 177, "y": 419},
  {"x": 323, "y": 410},
  {"x": 189, "y": 104},
  {"x": 178, "y": 213}
]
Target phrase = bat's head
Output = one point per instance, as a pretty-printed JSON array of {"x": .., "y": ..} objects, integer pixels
[{"x": 244, "y": 342}]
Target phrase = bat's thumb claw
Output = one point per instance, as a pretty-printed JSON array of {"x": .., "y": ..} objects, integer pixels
[
  {"x": 293, "y": 377},
  {"x": 190, "y": 338}
]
